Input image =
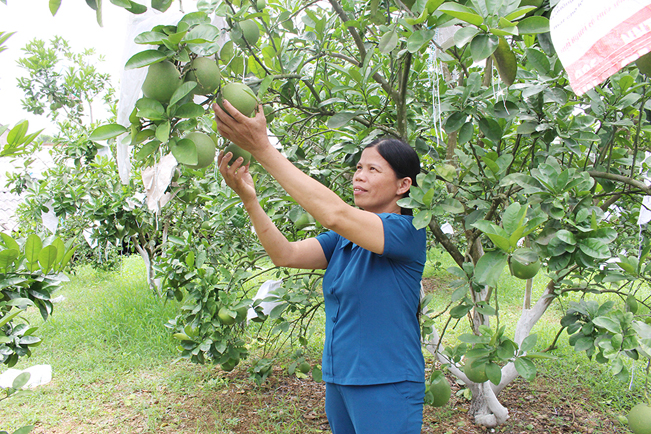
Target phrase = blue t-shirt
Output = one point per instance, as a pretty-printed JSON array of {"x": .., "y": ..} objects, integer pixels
[{"x": 371, "y": 304}]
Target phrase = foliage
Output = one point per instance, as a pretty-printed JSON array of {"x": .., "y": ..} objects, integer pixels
[
  {"x": 521, "y": 167},
  {"x": 62, "y": 80},
  {"x": 30, "y": 270},
  {"x": 15, "y": 390}
]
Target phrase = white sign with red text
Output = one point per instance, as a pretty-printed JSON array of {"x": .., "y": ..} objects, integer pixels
[{"x": 596, "y": 38}]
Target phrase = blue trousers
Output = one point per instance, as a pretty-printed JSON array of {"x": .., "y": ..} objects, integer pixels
[{"x": 393, "y": 408}]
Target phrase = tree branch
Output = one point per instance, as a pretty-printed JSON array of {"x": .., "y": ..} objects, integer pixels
[{"x": 623, "y": 179}]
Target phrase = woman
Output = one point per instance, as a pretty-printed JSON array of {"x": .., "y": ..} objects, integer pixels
[{"x": 374, "y": 259}]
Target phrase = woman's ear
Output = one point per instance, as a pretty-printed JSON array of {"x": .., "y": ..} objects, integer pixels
[{"x": 404, "y": 186}]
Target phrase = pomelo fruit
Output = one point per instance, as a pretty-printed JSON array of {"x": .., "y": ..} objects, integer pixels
[
  {"x": 304, "y": 220},
  {"x": 639, "y": 419},
  {"x": 225, "y": 317},
  {"x": 476, "y": 375},
  {"x": 161, "y": 81},
  {"x": 240, "y": 96},
  {"x": 523, "y": 270},
  {"x": 304, "y": 367},
  {"x": 250, "y": 31},
  {"x": 237, "y": 153},
  {"x": 440, "y": 390},
  {"x": 205, "y": 149},
  {"x": 205, "y": 72}
]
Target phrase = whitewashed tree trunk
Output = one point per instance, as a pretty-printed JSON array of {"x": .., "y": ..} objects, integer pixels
[{"x": 485, "y": 406}]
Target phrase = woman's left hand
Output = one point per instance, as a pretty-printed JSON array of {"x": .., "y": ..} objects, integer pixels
[{"x": 249, "y": 134}]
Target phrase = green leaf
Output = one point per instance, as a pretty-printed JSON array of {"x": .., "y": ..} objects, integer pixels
[
  {"x": 528, "y": 343},
  {"x": 184, "y": 151},
  {"x": 163, "y": 132},
  {"x": 317, "y": 375},
  {"x": 482, "y": 46},
  {"x": 54, "y": 6},
  {"x": 539, "y": 61},
  {"x": 33, "y": 247},
  {"x": 182, "y": 91},
  {"x": 461, "y": 12},
  {"x": 150, "y": 38},
  {"x": 189, "y": 110},
  {"x": 489, "y": 267},
  {"x": 106, "y": 132},
  {"x": 494, "y": 373},
  {"x": 147, "y": 150},
  {"x": 455, "y": 121},
  {"x": 608, "y": 323},
  {"x": 533, "y": 25},
  {"x": 161, "y": 5},
  {"x": 7, "y": 257},
  {"x": 513, "y": 217},
  {"x": 420, "y": 39},
  {"x": 47, "y": 258},
  {"x": 470, "y": 338},
  {"x": 341, "y": 119},
  {"x": 422, "y": 219},
  {"x": 17, "y": 133},
  {"x": 388, "y": 42},
  {"x": 9, "y": 242},
  {"x": 145, "y": 58},
  {"x": 201, "y": 34},
  {"x": 525, "y": 368},
  {"x": 24, "y": 430},
  {"x": 594, "y": 248},
  {"x": 150, "y": 109},
  {"x": 583, "y": 344},
  {"x": 21, "y": 380}
]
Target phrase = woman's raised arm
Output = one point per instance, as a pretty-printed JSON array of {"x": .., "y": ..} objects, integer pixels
[{"x": 361, "y": 227}]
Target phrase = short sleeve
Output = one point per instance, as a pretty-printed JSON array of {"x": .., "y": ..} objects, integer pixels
[
  {"x": 402, "y": 241},
  {"x": 328, "y": 241}
]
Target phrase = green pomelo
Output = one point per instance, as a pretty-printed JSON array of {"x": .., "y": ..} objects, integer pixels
[
  {"x": 304, "y": 220},
  {"x": 260, "y": 4},
  {"x": 225, "y": 317},
  {"x": 205, "y": 149},
  {"x": 644, "y": 64},
  {"x": 161, "y": 81},
  {"x": 205, "y": 72},
  {"x": 639, "y": 419},
  {"x": 237, "y": 153},
  {"x": 476, "y": 375},
  {"x": 441, "y": 391},
  {"x": 304, "y": 367},
  {"x": 524, "y": 271},
  {"x": 250, "y": 31},
  {"x": 240, "y": 96}
]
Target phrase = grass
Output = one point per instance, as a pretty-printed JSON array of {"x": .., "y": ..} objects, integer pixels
[{"x": 115, "y": 363}]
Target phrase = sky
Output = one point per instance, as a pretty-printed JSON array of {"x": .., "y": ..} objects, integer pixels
[{"x": 76, "y": 23}]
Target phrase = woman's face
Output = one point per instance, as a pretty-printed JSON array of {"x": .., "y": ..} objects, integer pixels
[{"x": 375, "y": 185}]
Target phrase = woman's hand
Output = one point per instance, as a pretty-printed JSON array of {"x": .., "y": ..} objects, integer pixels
[
  {"x": 249, "y": 134},
  {"x": 237, "y": 176}
]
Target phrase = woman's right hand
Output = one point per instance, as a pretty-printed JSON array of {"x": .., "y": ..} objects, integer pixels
[{"x": 237, "y": 176}]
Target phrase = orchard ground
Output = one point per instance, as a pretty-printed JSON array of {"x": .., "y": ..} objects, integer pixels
[{"x": 116, "y": 371}]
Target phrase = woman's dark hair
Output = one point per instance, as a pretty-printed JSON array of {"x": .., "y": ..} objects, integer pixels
[{"x": 402, "y": 158}]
